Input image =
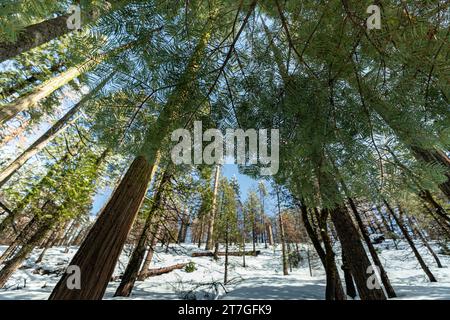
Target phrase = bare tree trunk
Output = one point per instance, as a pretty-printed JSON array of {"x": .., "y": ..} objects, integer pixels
[
  {"x": 383, "y": 275},
  {"x": 424, "y": 241},
  {"x": 200, "y": 234},
  {"x": 351, "y": 243},
  {"x": 99, "y": 252},
  {"x": 434, "y": 156},
  {"x": 384, "y": 221},
  {"x": 20, "y": 239},
  {"x": 40, "y": 92},
  {"x": 411, "y": 243},
  {"x": 349, "y": 284},
  {"x": 330, "y": 265},
  {"x": 149, "y": 256},
  {"x": 209, "y": 238},
  {"x": 225, "y": 276},
  {"x": 283, "y": 243},
  {"x": 37, "y": 34},
  {"x": 254, "y": 233},
  {"x": 46, "y": 245},
  {"x": 159, "y": 271},
  {"x": 269, "y": 233},
  {"x": 13, "y": 264},
  {"x": 440, "y": 211},
  {"x": 48, "y": 136},
  {"x": 216, "y": 250},
  {"x": 333, "y": 280},
  {"x": 131, "y": 272},
  {"x": 308, "y": 257}
]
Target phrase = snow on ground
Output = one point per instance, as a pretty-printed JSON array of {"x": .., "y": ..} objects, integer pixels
[{"x": 262, "y": 277}]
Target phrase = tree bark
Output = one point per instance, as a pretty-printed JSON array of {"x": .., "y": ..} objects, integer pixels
[
  {"x": 383, "y": 275},
  {"x": 330, "y": 270},
  {"x": 221, "y": 253},
  {"x": 48, "y": 136},
  {"x": 200, "y": 232},
  {"x": 424, "y": 241},
  {"x": 269, "y": 233},
  {"x": 225, "y": 275},
  {"x": 149, "y": 256},
  {"x": 13, "y": 264},
  {"x": 351, "y": 243},
  {"x": 134, "y": 264},
  {"x": 9, "y": 111},
  {"x": 37, "y": 34},
  {"x": 349, "y": 284},
  {"x": 283, "y": 243},
  {"x": 159, "y": 271},
  {"x": 210, "y": 234},
  {"x": 34, "y": 36},
  {"x": 99, "y": 252},
  {"x": 411, "y": 243},
  {"x": 428, "y": 197}
]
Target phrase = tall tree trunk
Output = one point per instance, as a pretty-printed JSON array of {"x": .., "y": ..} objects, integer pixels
[
  {"x": 35, "y": 76},
  {"x": 37, "y": 34},
  {"x": 411, "y": 243},
  {"x": 254, "y": 233},
  {"x": 210, "y": 234},
  {"x": 442, "y": 224},
  {"x": 184, "y": 221},
  {"x": 349, "y": 284},
  {"x": 200, "y": 233},
  {"x": 42, "y": 91},
  {"x": 153, "y": 241},
  {"x": 134, "y": 264},
  {"x": 48, "y": 136},
  {"x": 428, "y": 197},
  {"x": 225, "y": 276},
  {"x": 384, "y": 221},
  {"x": 283, "y": 243},
  {"x": 20, "y": 239},
  {"x": 435, "y": 156},
  {"x": 351, "y": 243},
  {"x": 424, "y": 241},
  {"x": 347, "y": 233},
  {"x": 13, "y": 264},
  {"x": 9, "y": 220},
  {"x": 373, "y": 253},
  {"x": 331, "y": 270},
  {"x": 269, "y": 233},
  {"x": 99, "y": 252}
]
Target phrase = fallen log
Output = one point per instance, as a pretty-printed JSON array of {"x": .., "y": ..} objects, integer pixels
[
  {"x": 233, "y": 253},
  {"x": 159, "y": 271}
]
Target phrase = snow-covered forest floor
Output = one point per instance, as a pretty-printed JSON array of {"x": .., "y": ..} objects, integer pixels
[{"x": 262, "y": 277}]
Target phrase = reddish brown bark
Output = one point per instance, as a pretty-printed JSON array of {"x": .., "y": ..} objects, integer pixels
[{"x": 99, "y": 252}]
